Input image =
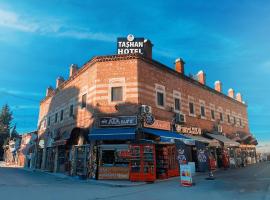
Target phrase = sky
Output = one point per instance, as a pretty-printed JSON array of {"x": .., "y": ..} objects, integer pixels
[{"x": 228, "y": 40}]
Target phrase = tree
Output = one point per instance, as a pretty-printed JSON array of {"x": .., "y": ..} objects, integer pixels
[
  {"x": 5, "y": 126},
  {"x": 5, "y": 120},
  {"x": 13, "y": 132}
]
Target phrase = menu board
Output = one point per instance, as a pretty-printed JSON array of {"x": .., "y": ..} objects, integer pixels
[{"x": 113, "y": 173}]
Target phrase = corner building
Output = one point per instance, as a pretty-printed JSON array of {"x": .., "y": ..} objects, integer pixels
[{"x": 131, "y": 117}]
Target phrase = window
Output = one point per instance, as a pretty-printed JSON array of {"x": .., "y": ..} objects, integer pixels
[
  {"x": 61, "y": 115},
  {"x": 229, "y": 118},
  {"x": 71, "y": 110},
  {"x": 177, "y": 104},
  {"x": 221, "y": 116},
  {"x": 240, "y": 121},
  {"x": 55, "y": 117},
  {"x": 213, "y": 114},
  {"x": 234, "y": 120},
  {"x": 107, "y": 157},
  {"x": 117, "y": 94},
  {"x": 49, "y": 121},
  {"x": 202, "y": 111},
  {"x": 191, "y": 108},
  {"x": 160, "y": 99},
  {"x": 83, "y": 101}
]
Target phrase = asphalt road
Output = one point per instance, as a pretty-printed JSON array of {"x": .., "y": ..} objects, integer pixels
[{"x": 252, "y": 182}]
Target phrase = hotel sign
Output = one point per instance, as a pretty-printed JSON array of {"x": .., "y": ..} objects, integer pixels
[
  {"x": 118, "y": 121},
  {"x": 130, "y": 45},
  {"x": 188, "y": 130}
]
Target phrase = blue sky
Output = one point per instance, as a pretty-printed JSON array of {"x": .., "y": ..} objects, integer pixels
[{"x": 229, "y": 41}]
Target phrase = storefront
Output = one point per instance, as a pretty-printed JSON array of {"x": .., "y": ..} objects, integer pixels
[{"x": 226, "y": 155}]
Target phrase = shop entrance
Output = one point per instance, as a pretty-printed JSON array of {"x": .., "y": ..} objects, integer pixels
[
  {"x": 50, "y": 155},
  {"x": 80, "y": 161}
]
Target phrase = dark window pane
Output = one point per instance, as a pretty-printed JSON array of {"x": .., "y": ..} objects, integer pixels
[
  {"x": 71, "y": 110},
  {"x": 84, "y": 101},
  {"x": 177, "y": 104},
  {"x": 61, "y": 115},
  {"x": 202, "y": 111},
  {"x": 108, "y": 157},
  {"x": 116, "y": 94},
  {"x": 221, "y": 116},
  {"x": 49, "y": 121},
  {"x": 55, "y": 118},
  {"x": 229, "y": 119},
  {"x": 191, "y": 108},
  {"x": 160, "y": 99},
  {"x": 213, "y": 114}
]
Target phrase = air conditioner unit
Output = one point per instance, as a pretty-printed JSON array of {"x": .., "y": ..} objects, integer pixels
[
  {"x": 145, "y": 109},
  {"x": 179, "y": 118},
  {"x": 219, "y": 129}
]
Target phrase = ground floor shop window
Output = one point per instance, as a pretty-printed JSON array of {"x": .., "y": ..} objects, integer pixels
[{"x": 113, "y": 162}]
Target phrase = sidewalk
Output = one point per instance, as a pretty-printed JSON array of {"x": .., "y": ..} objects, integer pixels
[{"x": 199, "y": 176}]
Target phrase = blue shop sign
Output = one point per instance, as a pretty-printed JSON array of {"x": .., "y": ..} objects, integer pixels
[{"x": 118, "y": 121}]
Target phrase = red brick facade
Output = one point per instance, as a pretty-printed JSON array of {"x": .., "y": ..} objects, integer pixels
[{"x": 140, "y": 78}]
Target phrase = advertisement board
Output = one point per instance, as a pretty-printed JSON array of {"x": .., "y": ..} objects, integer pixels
[{"x": 186, "y": 175}]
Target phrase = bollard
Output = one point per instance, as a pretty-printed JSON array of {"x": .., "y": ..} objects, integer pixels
[{"x": 210, "y": 176}]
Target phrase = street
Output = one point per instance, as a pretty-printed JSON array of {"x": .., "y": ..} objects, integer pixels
[{"x": 252, "y": 182}]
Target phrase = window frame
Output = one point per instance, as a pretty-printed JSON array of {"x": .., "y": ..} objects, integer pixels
[
  {"x": 84, "y": 101},
  {"x": 177, "y": 96},
  {"x": 160, "y": 89},
  {"x": 61, "y": 115},
  {"x": 71, "y": 110}
]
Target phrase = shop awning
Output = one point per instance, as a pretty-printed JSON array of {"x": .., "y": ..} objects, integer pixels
[
  {"x": 209, "y": 142},
  {"x": 112, "y": 134},
  {"x": 226, "y": 141},
  {"x": 165, "y": 135}
]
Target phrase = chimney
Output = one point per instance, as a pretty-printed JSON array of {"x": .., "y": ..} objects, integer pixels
[
  {"x": 231, "y": 93},
  {"x": 49, "y": 91},
  {"x": 148, "y": 48},
  {"x": 201, "y": 77},
  {"x": 218, "y": 86},
  {"x": 179, "y": 65},
  {"x": 59, "y": 81},
  {"x": 239, "y": 97},
  {"x": 73, "y": 69}
]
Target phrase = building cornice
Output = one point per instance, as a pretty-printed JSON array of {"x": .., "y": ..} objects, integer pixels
[{"x": 108, "y": 58}]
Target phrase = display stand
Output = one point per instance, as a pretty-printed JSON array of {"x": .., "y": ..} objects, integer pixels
[
  {"x": 167, "y": 165},
  {"x": 142, "y": 162}
]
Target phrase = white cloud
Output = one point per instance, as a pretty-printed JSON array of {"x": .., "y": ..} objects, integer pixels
[
  {"x": 56, "y": 28},
  {"x": 20, "y": 107},
  {"x": 20, "y": 92},
  {"x": 12, "y": 20}
]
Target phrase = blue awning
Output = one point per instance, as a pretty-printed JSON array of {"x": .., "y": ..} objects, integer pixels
[
  {"x": 165, "y": 135},
  {"x": 112, "y": 134}
]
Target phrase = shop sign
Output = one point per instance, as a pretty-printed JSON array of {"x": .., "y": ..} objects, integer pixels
[
  {"x": 186, "y": 175},
  {"x": 158, "y": 124},
  {"x": 188, "y": 130},
  {"x": 130, "y": 45},
  {"x": 118, "y": 121},
  {"x": 149, "y": 119},
  {"x": 113, "y": 173}
]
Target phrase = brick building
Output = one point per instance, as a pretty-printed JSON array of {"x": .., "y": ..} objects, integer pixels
[{"x": 121, "y": 86}]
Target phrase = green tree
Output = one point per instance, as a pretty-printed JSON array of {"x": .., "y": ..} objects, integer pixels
[
  {"x": 5, "y": 126},
  {"x": 5, "y": 120},
  {"x": 14, "y": 133}
]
